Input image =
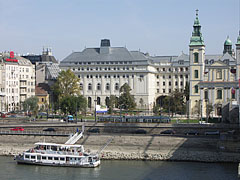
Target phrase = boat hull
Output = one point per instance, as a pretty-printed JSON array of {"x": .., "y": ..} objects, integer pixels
[{"x": 89, "y": 165}]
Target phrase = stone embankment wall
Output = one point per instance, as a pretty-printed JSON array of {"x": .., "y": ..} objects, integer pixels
[{"x": 138, "y": 147}]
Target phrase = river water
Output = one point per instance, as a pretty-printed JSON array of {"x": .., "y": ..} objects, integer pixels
[{"x": 121, "y": 170}]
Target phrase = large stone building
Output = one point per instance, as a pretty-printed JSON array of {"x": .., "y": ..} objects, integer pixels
[
  {"x": 212, "y": 78},
  {"x": 17, "y": 81}
]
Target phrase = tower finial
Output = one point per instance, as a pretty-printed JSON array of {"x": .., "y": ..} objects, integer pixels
[{"x": 197, "y": 12}]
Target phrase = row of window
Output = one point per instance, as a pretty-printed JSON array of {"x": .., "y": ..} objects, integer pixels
[
  {"x": 102, "y": 68},
  {"x": 169, "y": 90},
  {"x": 102, "y": 62},
  {"x": 45, "y": 158},
  {"x": 181, "y": 69},
  {"x": 169, "y": 76},
  {"x": 98, "y": 87},
  {"x": 219, "y": 93},
  {"x": 170, "y": 83},
  {"x": 108, "y": 76}
]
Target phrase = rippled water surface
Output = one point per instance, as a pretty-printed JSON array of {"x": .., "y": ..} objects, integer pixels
[{"x": 121, "y": 170}]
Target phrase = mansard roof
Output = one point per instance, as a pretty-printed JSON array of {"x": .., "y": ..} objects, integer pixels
[{"x": 105, "y": 54}]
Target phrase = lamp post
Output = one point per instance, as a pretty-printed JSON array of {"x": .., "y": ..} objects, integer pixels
[{"x": 95, "y": 110}]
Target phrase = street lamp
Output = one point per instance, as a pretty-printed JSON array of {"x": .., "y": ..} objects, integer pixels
[{"x": 95, "y": 110}]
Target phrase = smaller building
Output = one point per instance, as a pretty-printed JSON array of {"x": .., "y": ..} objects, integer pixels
[{"x": 43, "y": 98}]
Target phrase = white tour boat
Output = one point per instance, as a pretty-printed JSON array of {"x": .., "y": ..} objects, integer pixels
[{"x": 68, "y": 154}]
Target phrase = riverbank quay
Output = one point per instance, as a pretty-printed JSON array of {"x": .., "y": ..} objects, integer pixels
[{"x": 135, "y": 147}]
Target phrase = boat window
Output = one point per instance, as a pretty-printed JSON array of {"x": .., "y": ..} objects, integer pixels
[
  {"x": 61, "y": 159},
  {"x": 56, "y": 158},
  {"x": 54, "y": 148},
  {"x": 75, "y": 159},
  {"x": 44, "y": 157},
  {"x": 49, "y": 158},
  {"x": 27, "y": 156},
  {"x": 33, "y": 157},
  {"x": 79, "y": 159}
]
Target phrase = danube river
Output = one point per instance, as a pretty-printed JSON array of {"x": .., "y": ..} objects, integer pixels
[{"x": 121, "y": 170}]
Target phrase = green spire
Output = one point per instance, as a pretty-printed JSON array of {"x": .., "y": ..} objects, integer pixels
[
  {"x": 228, "y": 42},
  {"x": 238, "y": 39},
  {"x": 196, "y": 38}
]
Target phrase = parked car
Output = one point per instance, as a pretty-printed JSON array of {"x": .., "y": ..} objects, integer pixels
[
  {"x": 191, "y": 133},
  {"x": 50, "y": 129},
  {"x": 212, "y": 133},
  {"x": 169, "y": 131},
  {"x": 17, "y": 129},
  {"x": 94, "y": 130},
  {"x": 140, "y": 131}
]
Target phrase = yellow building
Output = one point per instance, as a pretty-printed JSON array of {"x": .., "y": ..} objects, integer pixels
[{"x": 43, "y": 97}]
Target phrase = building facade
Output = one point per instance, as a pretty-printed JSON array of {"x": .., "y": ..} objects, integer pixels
[
  {"x": 213, "y": 79},
  {"x": 17, "y": 81}
]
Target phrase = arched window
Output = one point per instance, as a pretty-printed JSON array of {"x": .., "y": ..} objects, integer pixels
[
  {"x": 98, "y": 86},
  {"x": 107, "y": 101},
  {"x": 107, "y": 86},
  {"x": 81, "y": 86},
  {"x": 195, "y": 56},
  {"x": 89, "y": 86},
  {"x": 98, "y": 100},
  {"x": 89, "y": 102},
  {"x": 196, "y": 89},
  {"x": 116, "y": 86}
]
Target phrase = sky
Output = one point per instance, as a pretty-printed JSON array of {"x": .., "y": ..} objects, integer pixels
[{"x": 154, "y": 26}]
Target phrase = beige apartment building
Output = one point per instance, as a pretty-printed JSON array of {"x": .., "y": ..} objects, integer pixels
[{"x": 17, "y": 81}]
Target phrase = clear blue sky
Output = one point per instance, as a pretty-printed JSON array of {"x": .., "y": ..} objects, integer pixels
[{"x": 154, "y": 26}]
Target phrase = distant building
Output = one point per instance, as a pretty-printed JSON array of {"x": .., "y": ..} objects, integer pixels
[
  {"x": 17, "y": 81},
  {"x": 46, "y": 56}
]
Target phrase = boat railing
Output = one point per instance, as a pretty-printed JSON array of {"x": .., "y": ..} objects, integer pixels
[{"x": 55, "y": 152}]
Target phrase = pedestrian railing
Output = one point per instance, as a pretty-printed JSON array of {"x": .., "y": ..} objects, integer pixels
[{"x": 35, "y": 133}]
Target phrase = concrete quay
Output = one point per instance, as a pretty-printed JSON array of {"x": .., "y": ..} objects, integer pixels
[{"x": 136, "y": 147}]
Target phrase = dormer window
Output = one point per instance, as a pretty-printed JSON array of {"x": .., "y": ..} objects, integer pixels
[
  {"x": 206, "y": 61},
  {"x": 211, "y": 61}
]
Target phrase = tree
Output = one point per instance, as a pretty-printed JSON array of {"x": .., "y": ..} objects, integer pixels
[
  {"x": 174, "y": 103},
  {"x": 112, "y": 102},
  {"x": 141, "y": 102},
  {"x": 31, "y": 105},
  {"x": 156, "y": 109},
  {"x": 209, "y": 110},
  {"x": 197, "y": 108},
  {"x": 126, "y": 100},
  {"x": 187, "y": 91},
  {"x": 72, "y": 104},
  {"x": 67, "y": 84}
]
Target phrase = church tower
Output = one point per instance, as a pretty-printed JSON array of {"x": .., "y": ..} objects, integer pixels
[
  {"x": 228, "y": 46},
  {"x": 196, "y": 63}
]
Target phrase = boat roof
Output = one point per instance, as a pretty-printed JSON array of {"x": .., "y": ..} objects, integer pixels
[{"x": 61, "y": 145}]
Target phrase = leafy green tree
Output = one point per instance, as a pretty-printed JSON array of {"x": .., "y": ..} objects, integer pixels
[
  {"x": 67, "y": 84},
  {"x": 156, "y": 109},
  {"x": 126, "y": 99},
  {"x": 174, "y": 103},
  {"x": 209, "y": 110},
  {"x": 31, "y": 105},
  {"x": 112, "y": 102},
  {"x": 72, "y": 104}
]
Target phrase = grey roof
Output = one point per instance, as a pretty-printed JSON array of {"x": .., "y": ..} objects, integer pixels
[
  {"x": 105, "y": 54},
  {"x": 163, "y": 59},
  {"x": 23, "y": 61}
]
